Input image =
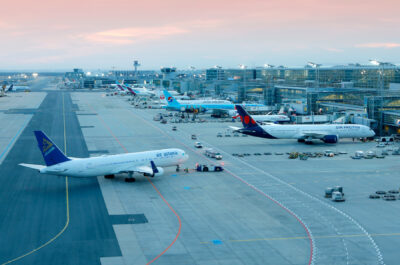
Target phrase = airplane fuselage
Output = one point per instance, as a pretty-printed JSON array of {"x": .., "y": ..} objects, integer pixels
[
  {"x": 275, "y": 131},
  {"x": 113, "y": 164},
  {"x": 271, "y": 118},
  {"x": 206, "y": 105}
]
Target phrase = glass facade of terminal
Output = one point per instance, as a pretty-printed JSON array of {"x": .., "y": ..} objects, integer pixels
[
  {"x": 354, "y": 76},
  {"x": 339, "y": 76}
]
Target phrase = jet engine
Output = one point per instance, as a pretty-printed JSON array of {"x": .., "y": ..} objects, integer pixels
[
  {"x": 159, "y": 173},
  {"x": 330, "y": 139}
]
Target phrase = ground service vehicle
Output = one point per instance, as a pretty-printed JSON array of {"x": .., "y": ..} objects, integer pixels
[
  {"x": 213, "y": 154},
  {"x": 337, "y": 196}
]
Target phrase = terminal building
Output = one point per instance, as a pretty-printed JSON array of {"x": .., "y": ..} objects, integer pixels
[
  {"x": 364, "y": 93},
  {"x": 355, "y": 90}
]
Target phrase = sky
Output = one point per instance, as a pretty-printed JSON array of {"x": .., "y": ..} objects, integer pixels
[{"x": 99, "y": 34}]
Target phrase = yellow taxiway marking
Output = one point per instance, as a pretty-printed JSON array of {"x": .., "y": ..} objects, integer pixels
[
  {"x": 301, "y": 237},
  {"x": 66, "y": 201}
]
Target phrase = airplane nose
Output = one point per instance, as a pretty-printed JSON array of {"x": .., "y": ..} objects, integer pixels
[{"x": 184, "y": 158}]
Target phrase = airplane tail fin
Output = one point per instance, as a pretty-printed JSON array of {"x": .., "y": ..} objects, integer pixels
[
  {"x": 51, "y": 153},
  {"x": 131, "y": 90},
  {"x": 10, "y": 88},
  {"x": 170, "y": 99},
  {"x": 119, "y": 85},
  {"x": 251, "y": 127},
  {"x": 120, "y": 88},
  {"x": 247, "y": 121}
]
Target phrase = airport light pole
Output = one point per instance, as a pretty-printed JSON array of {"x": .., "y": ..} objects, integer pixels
[
  {"x": 244, "y": 67},
  {"x": 316, "y": 66},
  {"x": 218, "y": 88},
  {"x": 218, "y": 71},
  {"x": 270, "y": 81},
  {"x": 381, "y": 86}
]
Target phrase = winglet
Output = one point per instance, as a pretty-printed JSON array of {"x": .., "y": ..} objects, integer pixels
[{"x": 153, "y": 167}]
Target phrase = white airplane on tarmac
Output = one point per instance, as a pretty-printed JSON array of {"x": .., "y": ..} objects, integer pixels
[
  {"x": 278, "y": 118},
  {"x": 328, "y": 133},
  {"x": 108, "y": 165}
]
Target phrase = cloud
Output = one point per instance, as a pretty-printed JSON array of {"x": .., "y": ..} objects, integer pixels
[
  {"x": 130, "y": 35},
  {"x": 387, "y": 45},
  {"x": 205, "y": 23},
  {"x": 333, "y": 50},
  {"x": 5, "y": 26}
]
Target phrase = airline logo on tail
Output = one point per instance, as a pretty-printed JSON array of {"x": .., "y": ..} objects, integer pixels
[
  {"x": 250, "y": 126},
  {"x": 51, "y": 153},
  {"x": 170, "y": 99},
  {"x": 246, "y": 119},
  {"x": 46, "y": 145}
]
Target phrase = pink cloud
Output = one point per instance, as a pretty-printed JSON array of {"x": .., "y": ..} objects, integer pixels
[
  {"x": 387, "y": 45},
  {"x": 333, "y": 50},
  {"x": 223, "y": 29},
  {"x": 133, "y": 34}
]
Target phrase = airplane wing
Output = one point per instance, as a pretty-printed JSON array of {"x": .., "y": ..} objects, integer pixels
[
  {"x": 234, "y": 128},
  {"x": 140, "y": 169},
  {"x": 37, "y": 167},
  {"x": 145, "y": 169},
  {"x": 316, "y": 135}
]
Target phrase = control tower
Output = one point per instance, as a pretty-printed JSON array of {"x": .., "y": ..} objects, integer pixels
[
  {"x": 136, "y": 64},
  {"x": 168, "y": 72}
]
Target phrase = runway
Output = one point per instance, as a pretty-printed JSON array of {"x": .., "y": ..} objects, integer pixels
[{"x": 34, "y": 207}]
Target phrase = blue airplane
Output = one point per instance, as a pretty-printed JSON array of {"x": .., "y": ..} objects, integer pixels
[{"x": 201, "y": 105}]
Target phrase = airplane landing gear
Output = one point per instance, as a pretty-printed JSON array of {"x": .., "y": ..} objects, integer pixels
[
  {"x": 130, "y": 178},
  {"x": 109, "y": 176}
]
